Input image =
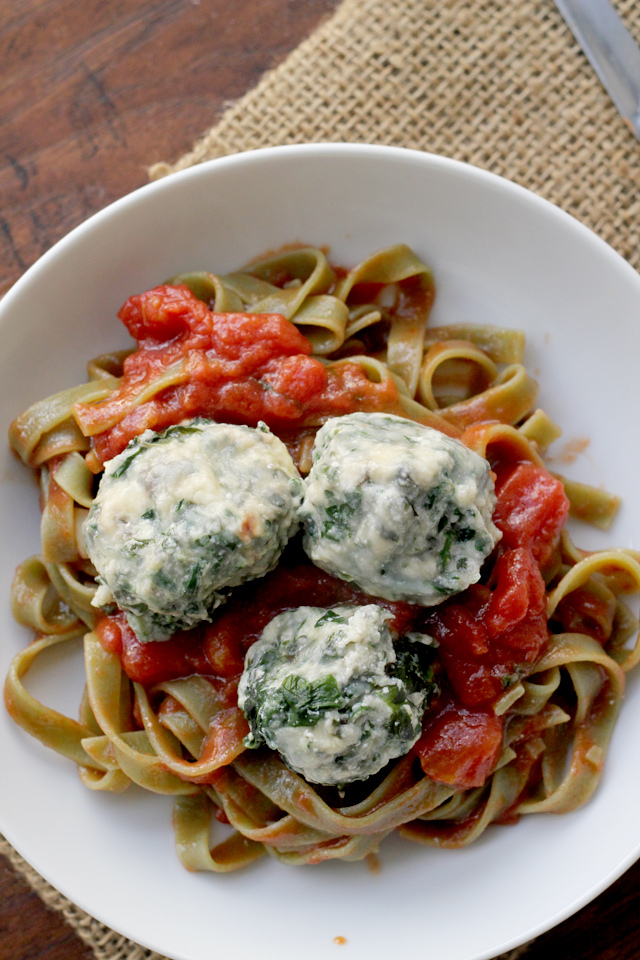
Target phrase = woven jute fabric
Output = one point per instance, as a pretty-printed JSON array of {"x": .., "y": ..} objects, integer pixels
[
  {"x": 500, "y": 84},
  {"x": 105, "y": 943}
]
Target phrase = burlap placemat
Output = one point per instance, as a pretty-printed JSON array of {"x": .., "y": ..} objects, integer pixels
[
  {"x": 106, "y": 944},
  {"x": 497, "y": 83}
]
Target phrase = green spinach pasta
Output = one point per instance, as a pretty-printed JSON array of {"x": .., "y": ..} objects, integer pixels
[{"x": 319, "y": 570}]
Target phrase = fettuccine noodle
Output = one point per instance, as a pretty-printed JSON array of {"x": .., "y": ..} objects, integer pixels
[{"x": 184, "y": 736}]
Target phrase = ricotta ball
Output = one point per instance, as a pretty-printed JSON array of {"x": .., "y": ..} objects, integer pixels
[
  {"x": 329, "y": 690},
  {"x": 397, "y": 508},
  {"x": 182, "y": 516}
]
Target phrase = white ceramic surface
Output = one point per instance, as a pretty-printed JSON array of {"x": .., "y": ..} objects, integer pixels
[{"x": 500, "y": 255}]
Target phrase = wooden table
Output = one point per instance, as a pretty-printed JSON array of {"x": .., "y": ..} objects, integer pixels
[{"x": 91, "y": 93}]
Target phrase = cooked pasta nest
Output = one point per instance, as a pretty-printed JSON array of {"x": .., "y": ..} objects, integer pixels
[{"x": 560, "y": 716}]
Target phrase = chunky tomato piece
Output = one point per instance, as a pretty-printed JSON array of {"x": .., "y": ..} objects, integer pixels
[
  {"x": 460, "y": 746},
  {"x": 297, "y": 377},
  {"x": 516, "y": 615},
  {"x": 162, "y": 313},
  {"x": 478, "y": 681},
  {"x": 532, "y": 508},
  {"x": 459, "y": 625},
  {"x": 155, "y": 661},
  {"x": 224, "y": 646},
  {"x": 488, "y": 633}
]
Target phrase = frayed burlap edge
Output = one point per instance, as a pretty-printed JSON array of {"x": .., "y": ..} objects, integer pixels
[
  {"x": 105, "y": 943},
  {"x": 500, "y": 85}
]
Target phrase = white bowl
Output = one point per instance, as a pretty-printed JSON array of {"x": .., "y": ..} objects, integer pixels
[{"x": 500, "y": 255}]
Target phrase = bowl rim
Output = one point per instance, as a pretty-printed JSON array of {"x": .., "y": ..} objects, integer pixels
[
  {"x": 352, "y": 151},
  {"x": 327, "y": 148}
]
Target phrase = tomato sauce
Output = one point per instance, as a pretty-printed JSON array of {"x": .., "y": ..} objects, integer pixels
[
  {"x": 232, "y": 367},
  {"x": 460, "y": 746},
  {"x": 532, "y": 508},
  {"x": 488, "y": 634},
  {"x": 217, "y": 649},
  {"x": 243, "y": 368}
]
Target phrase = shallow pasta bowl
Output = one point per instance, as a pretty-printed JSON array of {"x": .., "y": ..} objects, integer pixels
[{"x": 500, "y": 255}]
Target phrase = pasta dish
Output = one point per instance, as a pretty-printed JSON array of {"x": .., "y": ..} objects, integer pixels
[{"x": 320, "y": 570}]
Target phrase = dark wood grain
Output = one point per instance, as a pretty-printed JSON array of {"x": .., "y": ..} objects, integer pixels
[
  {"x": 28, "y": 931},
  {"x": 94, "y": 91},
  {"x": 606, "y": 929},
  {"x": 91, "y": 93}
]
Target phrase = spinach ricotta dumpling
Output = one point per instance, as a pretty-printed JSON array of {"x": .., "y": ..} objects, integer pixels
[
  {"x": 332, "y": 693},
  {"x": 399, "y": 509},
  {"x": 182, "y": 516}
]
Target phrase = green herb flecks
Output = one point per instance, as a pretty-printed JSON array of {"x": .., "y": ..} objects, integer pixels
[
  {"x": 330, "y": 617},
  {"x": 126, "y": 463},
  {"x": 296, "y": 703},
  {"x": 444, "y": 553}
]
